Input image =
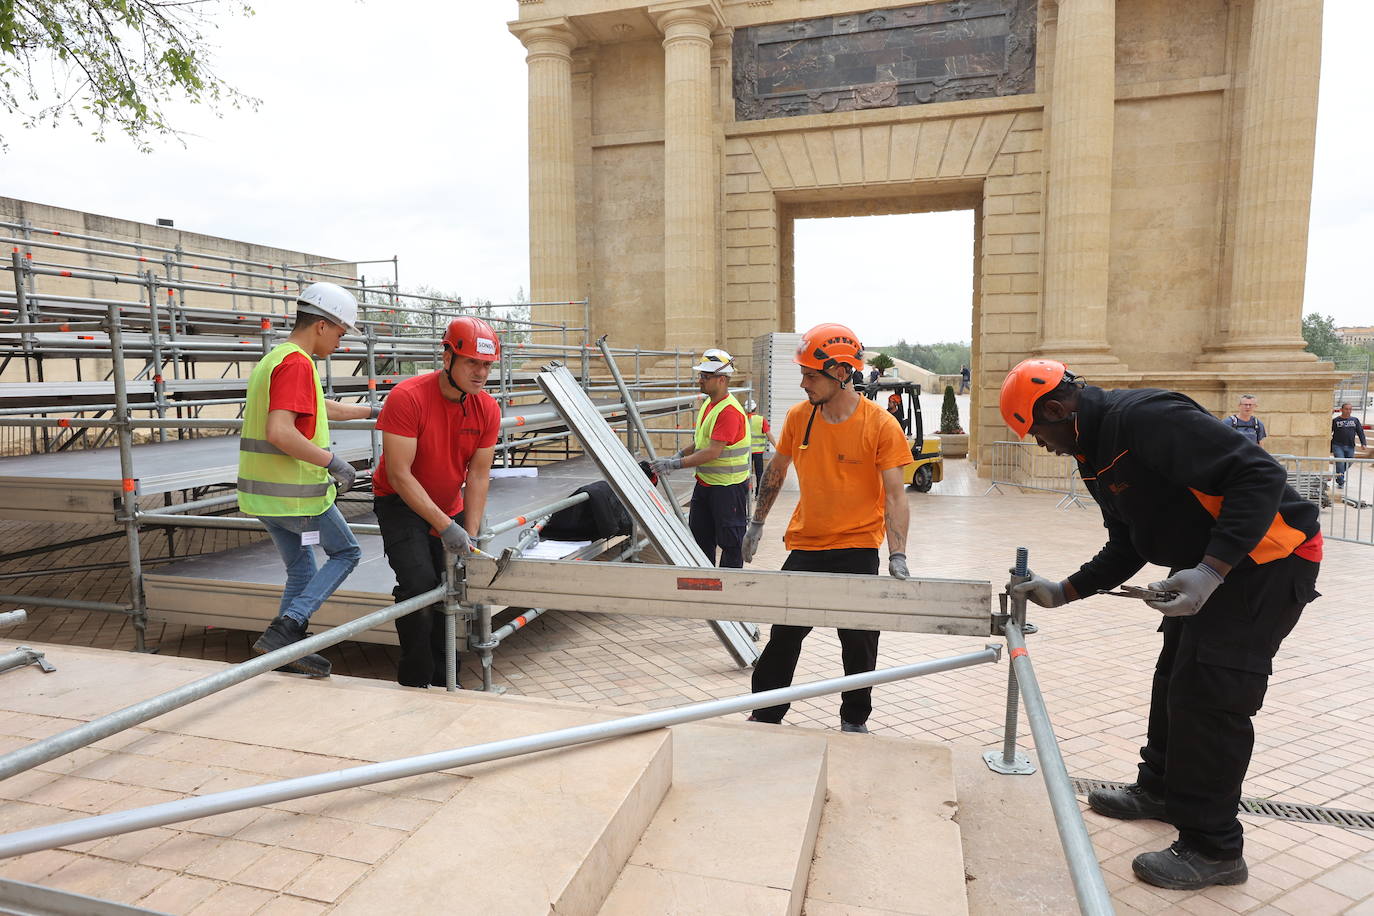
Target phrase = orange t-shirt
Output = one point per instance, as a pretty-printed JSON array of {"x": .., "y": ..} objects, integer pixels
[{"x": 840, "y": 471}]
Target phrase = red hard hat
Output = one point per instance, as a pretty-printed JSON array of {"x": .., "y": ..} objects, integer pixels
[
  {"x": 828, "y": 345},
  {"x": 469, "y": 336},
  {"x": 1025, "y": 384}
]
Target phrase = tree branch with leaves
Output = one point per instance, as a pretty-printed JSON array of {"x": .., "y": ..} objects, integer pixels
[{"x": 111, "y": 64}]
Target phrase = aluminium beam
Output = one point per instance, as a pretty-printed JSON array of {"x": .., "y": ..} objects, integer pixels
[
  {"x": 666, "y": 532},
  {"x": 949, "y": 607}
]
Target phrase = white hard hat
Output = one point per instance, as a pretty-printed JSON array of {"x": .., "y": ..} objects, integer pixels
[
  {"x": 715, "y": 360},
  {"x": 750, "y": 405},
  {"x": 331, "y": 301}
]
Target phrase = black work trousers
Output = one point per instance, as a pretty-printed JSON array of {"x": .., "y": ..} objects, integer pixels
[
  {"x": 858, "y": 648},
  {"x": 717, "y": 519},
  {"x": 417, "y": 558},
  {"x": 1209, "y": 682}
]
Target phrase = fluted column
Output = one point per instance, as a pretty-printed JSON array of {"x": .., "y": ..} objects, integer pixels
[
  {"x": 1275, "y": 191},
  {"x": 553, "y": 204},
  {"x": 1078, "y": 206},
  {"x": 689, "y": 240}
]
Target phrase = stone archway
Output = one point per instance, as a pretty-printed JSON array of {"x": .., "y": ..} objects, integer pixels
[{"x": 1141, "y": 173}]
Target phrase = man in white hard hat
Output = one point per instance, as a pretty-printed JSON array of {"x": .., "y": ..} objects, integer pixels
[
  {"x": 289, "y": 477},
  {"x": 720, "y": 454}
]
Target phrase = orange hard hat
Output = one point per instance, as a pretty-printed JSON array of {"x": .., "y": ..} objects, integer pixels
[
  {"x": 470, "y": 336},
  {"x": 828, "y": 345},
  {"x": 1030, "y": 380}
]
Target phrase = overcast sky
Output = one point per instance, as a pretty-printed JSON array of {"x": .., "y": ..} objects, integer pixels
[{"x": 399, "y": 128}]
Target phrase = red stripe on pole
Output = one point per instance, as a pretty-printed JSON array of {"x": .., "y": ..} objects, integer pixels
[
  {"x": 129, "y": 485},
  {"x": 157, "y": 378},
  {"x": 1017, "y": 653},
  {"x": 64, "y": 327},
  {"x": 64, "y": 273},
  {"x": 64, "y": 422},
  {"x": 372, "y": 384},
  {"x": 84, "y": 337},
  {"x": 519, "y": 421},
  {"x": 266, "y": 324}
]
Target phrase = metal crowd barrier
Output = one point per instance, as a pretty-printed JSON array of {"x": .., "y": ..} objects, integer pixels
[
  {"x": 1342, "y": 488},
  {"x": 1026, "y": 466}
]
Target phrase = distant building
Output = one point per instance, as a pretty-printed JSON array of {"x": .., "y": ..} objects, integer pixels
[{"x": 1356, "y": 337}]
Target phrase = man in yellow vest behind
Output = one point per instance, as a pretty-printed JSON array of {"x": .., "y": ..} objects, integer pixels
[
  {"x": 720, "y": 454},
  {"x": 760, "y": 436},
  {"x": 288, "y": 478}
]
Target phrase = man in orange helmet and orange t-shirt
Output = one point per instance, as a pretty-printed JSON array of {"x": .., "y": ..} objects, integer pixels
[{"x": 849, "y": 454}]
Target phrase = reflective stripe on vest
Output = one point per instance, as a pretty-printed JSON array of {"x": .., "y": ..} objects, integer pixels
[
  {"x": 732, "y": 466},
  {"x": 271, "y": 482},
  {"x": 758, "y": 438}
]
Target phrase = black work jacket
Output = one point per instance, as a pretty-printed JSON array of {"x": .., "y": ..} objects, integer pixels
[{"x": 1175, "y": 484}]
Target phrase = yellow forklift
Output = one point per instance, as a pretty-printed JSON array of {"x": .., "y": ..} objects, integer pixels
[{"x": 903, "y": 400}]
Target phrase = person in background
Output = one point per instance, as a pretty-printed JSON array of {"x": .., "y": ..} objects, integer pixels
[
  {"x": 1344, "y": 430},
  {"x": 964, "y": 377},
  {"x": 760, "y": 436},
  {"x": 720, "y": 454},
  {"x": 1245, "y": 422},
  {"x": 288, "y": 478}
]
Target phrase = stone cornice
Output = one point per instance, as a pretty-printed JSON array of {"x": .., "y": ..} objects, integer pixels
[
  {"x": 670, "y": 12},
  {"x": 554, "y": 30}
]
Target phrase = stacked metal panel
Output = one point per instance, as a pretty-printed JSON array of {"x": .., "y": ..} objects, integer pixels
[
  {"x": 669, "y": 535},
  {"x": 778, "y": 381}
]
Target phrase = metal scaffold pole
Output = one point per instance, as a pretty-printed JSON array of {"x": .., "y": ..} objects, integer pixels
[{"x": 128, "y": 502}]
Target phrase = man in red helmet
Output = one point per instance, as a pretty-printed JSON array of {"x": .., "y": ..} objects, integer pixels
[
  {"x": 849, "y": 454},
  {"x": 439, "y": 434},
  {"x": 1178, "y": 489}
]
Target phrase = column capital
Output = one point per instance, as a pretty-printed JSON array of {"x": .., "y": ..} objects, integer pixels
[
  {"x": 686, "y": 17},
  {"x": 553, "y": 37}
]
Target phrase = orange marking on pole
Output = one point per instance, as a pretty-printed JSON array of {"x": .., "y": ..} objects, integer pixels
[
  {"x": 520, "y": 621},
  {"x": 372, "y": 384},
  {"x": 266, "y": 324},
  {"x": 1017, "y": 653},
  {"x": 64, "y": 327},
  {"x": 519, "y": 421},
  {"x": 157, "y": 379},
  {"x": 64, "y": 273},
  {"x": 64, "y": 422},
  {"x": 84, "y": 337},
  {"x": 129, "y": 485},
  {"x": 520, "y": 519}
]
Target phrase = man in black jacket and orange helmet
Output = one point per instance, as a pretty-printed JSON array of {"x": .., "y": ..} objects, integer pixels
[{"x": 1178, "y": 489}]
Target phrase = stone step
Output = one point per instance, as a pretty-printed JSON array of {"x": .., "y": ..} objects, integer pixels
[
  {"x": 546, "y": 832},
  {"x": 735, "y": 833}
]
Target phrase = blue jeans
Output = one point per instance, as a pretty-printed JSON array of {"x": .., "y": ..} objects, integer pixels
[
  {"x": 308, "y": 588},
  {"x": 1342, "y": 451}
]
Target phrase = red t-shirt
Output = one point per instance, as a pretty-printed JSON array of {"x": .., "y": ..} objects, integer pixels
[
  {"x": 293, "y": 388},
  {"x": 446, "y": 434}
]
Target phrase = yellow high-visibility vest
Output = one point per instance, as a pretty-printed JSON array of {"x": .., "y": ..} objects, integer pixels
[
  {"x": 733, "y": 464},
  {"x": 271, "y": 482},
  {"x": 758, "y": 438}
]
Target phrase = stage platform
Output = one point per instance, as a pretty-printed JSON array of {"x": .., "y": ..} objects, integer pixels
[{"x": 241, "y": 588}]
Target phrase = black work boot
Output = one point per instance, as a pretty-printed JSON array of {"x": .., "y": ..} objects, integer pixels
[
  {"x": 1182, "y": 868},
  {"x": 282, "y": 632},
  {"x": 1129, "y": 803},
  {"x": 857, "y": 728}
]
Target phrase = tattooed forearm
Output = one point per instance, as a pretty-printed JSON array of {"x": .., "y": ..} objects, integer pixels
[{"x": 773, "y": 476}]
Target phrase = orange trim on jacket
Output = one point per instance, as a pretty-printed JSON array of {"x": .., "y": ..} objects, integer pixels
[{"x": 1278, "y": 542}]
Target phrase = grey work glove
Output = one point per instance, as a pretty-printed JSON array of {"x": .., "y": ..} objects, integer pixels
[
  {"x": 456, "y": 539},
  {"x": 664, "y": 466},
  {"x": 752, "y": 535},
  {"x": 1194, "y": 587},
  {"x": 342, "y": 472},
  {"x": 896, "y": 566},
  {"x": 1041, "y": 591}
]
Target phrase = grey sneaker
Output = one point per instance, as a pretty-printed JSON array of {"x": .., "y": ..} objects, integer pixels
[
  {"x": 282, "y": 632},
  {"x": 857, "y": 728},
  {"x": 1129, "y": 803},
  {"x": 1182, "y": 868}
]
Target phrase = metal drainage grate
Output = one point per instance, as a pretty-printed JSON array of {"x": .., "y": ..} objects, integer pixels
[{"x": 1286, "y": 811}]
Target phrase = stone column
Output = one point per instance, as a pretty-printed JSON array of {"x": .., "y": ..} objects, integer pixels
[
  {"x": 1275, "y": 190},
  {"x": 553, "y": 203},
  {"x": 691, "y": 310},
  {"x": 1078, "y": 206}
]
